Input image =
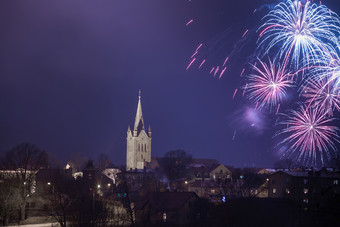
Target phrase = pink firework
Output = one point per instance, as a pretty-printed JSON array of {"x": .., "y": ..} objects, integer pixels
[
  {"x": 310, "y": 135},
  {"x": 323, "y": 93},
  {"x": 268, "y": 85}
]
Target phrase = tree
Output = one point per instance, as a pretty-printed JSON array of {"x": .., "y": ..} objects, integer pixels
[
  {"x": 103, "y": 161},
  {"x": 61, "y": 194},
  {"x": 174, "y": 164},
  {"x": 9, "y": 199},
  {"x": 24, "y": 160}
]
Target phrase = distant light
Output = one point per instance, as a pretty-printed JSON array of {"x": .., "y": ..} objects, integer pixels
[
  {"x": 164, "y": 217},
  {"x": 98, "y": 186},
  {"x": 223, "y": 199},
  {"x": 108, "y": 185},
  {"x": 241, "y": 177},
  {"x": 48, "y": 183},
  {"x": 186, "y": 182},
  {"x": 67, "y": 166},
  {"x": 267, "y": 179}
]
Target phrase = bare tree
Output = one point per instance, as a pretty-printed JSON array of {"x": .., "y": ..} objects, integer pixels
[
  {"x": 9, "y": 199},
  {"x": 24, "y": 161},
  {"x": 174, "y": 164},
  {"x": 102, "y": 161}
]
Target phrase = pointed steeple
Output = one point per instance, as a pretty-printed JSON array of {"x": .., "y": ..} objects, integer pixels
[
  {"x": 139, "y": 122},
  {"x": 149, "y": 131}
]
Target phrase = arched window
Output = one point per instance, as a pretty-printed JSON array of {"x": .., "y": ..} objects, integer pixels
[
  {"x": 144, "y": 147},
  {"x": 138, "y": 147}
]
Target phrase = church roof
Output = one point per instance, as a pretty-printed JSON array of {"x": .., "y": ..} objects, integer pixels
[{"x": 139, "y": 122}]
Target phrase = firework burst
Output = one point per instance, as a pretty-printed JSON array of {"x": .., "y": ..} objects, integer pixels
[
  {"x": 300, "y": 31},
  {"x": 323, "y": 93},
  {"x": 309, "y": 135},
  {"x": 268, "y": 85}
]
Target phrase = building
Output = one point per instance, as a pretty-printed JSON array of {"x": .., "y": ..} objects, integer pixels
[
  {"x": 138, "y": 142},
  {"x": 167, "y": 209},
  {"x": 211, "y": 172},
  {"x": 308, "y": 187}
]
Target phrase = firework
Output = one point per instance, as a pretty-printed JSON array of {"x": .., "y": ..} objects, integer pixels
[
  {"x": 310, "y": 135},
  {"x": 323, "y": 93},
  {"x": 299, "y": 31},
  {"x": 268, "y": 85}
]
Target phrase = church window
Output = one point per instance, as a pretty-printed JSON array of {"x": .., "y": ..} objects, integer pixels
[
  {"x": 144, "y": 147},
  {"x": 138, "y": 147}
]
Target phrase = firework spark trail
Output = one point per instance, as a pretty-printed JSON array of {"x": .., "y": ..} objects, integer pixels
[
  {"x": 245, "y": 33},
  {"x": 189, "y": 22},
  {"x": 241, "y": 74},
  {"x": 212, "y": 69},
  {"x": 225, "y": 61},
  {"x": 216, "y": 70},
  {"x": 222, "y": 72},
  {"x": 199, "y": 46},
  {"x": 244, "y": 90},
  {"x": 309, "y": 135},
  {"x": 201, "y": 64},
  {"x": 234, "y": 93},
  {"x": 302, "y": 31},
  {"x": 193, "y": 55},
  {"x": 278, "y": 107},
  {"x": 192, "y": 61},
  {"x": 268, "y": 85}
]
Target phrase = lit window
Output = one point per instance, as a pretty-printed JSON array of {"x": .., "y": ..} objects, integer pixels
[
  {"x": 164, "y": 217},
  {"x": 305, "y": 190},
  {"x": 274, "y": 190},
  {"x": 305, "y": 200},
  {"x": 287, "y": 190},
  {"x": 336, "y": 182},
  {"x": 212, "y": 191}
]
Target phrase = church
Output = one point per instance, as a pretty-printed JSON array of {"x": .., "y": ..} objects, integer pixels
[{"x": 138, "y": 142}]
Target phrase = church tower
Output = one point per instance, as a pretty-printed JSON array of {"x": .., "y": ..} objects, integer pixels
[{"x": 138, "y": 142}]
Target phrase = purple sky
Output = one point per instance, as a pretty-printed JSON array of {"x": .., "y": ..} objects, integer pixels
[{"x": 71, "y": 71}]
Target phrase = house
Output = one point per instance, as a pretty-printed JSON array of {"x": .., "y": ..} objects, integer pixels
[
  {"x": 213, "y": 172},
  {"x": 167, "y": 208},
  {"x": 308, "y": 187},
  {"x": 209, "y": 189}
]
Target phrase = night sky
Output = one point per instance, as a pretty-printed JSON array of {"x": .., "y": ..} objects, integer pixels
[{"x": 70, "y": 72}]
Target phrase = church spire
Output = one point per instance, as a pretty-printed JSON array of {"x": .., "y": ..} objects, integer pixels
[{"x": 139, "y": 122}]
